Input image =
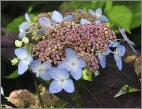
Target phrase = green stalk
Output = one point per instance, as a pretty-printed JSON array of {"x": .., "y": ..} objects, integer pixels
[{"x": 38, "y": 93}]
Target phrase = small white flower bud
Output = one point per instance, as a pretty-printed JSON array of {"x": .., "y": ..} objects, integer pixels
[
  {"x": 14, "y": 61},
  {"x": 18, "y": 43},
  {"x": 25, "y": 40}
]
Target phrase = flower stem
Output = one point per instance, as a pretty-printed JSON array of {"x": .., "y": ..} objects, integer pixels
[{"x": 38, "y": 93}]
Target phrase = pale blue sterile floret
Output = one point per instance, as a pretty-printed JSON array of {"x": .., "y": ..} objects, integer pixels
[
  {"x": 44, "y": 22},
  {"x": 98, "y": 15},
  {"x": 24, "y": 26},
  {"x": 84, "y": 21},
  {"x": 57, "y": 17},
  {"x": 131, "y": 44},
  {"x": 41, "y": 69},
  {"x": 102, "y": 57},
  {"x": 61, "y": 81},
  {"x": 118, "y": 53},
  {"x": 25, "y": 60},
  {"x": 73, "y": 64}
]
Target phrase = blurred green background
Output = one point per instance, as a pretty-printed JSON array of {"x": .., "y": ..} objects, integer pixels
[{"x": 124, "y": 14}]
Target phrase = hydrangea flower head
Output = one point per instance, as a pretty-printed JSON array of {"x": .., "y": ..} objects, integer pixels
[
  {"x": 73, "y": 63},
  {"x": 41, "y": 69},
  {"x": 25, "y": 60},
  {"x": 61, "y": 81}
]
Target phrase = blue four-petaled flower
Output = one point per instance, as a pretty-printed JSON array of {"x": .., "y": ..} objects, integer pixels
[
  {"x": 60, "y": 81},
  {"x": 41, "y": 69},
  {"x": 73, "y": 63},
  {"x": 25, "y": 60}
]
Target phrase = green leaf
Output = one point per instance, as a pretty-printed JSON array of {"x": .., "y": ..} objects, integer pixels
[
  {"x": 13, "y": 75},
  {"x": 14, "y": 25},
  {"x": 108, "y": 5},
  {"x": 121, "y": 16}
]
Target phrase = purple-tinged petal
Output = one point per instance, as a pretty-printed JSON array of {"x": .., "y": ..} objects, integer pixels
[
  {"x": 45, "y": 75},
  {"x": 98, "y": 12},
  {"x": 29, "y": 59},
  {"x": 76, "y": 73},
  {"x": 82, "y": 63},
  {"x": 84, "y": 21},
  {"x": 104, "y": 18},
  {"x": 102, "y": 60},
  {"x": 22, "y": 67},
  {"x": 21, "y": 53},
  {"x": 57, "y": 17},
  {"x": 69, "y": 53},
  {"x": 69, "y": 86},
  {"x": 46, "y": 65},
  {"x": 58, "y": 74},
  {"x": 118, "y": 61},
  {"x": 27, "y": 17},
  {"x": 24, "y": 26},
  {"x": 44, "y": 22},
  {"x": 91, "y": 12},
  {"x": 121, "y": 50},
  {"x": 35, "y": 65},
  {"x": 69, "y": 17},
  {"x": 122, "y": 31},
  {"x": 22, "y": 34},
  {"x": 55, "y": 87}
]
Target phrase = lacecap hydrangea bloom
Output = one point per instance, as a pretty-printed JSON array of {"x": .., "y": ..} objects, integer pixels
[{"x": 66, "y": 48}]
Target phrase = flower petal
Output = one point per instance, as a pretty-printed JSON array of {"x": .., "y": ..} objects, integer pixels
[
  {"x": 91, "y": 12},
  {"x": 28, "y": 17},
  {"x": 69, "y": 86},
  {"x": 82, "y": 63},
  {"x": 104, "y": 18},
  {"x": 57, "y": 17},
  {"x": 24, "y": 26},
  {"x": 107, "y": 52},
  {"x": 118, "y": 61},
  {"x": 29, "y": 59},
  {"x": 58, "y": 73},
  {"x": 55, "y": 87},
  {"x": 35, "y": 65},
  {"x": 113, "y": 44},
  {"x": 44, "y": 22},
  {"x": 76, "y": 73},
  {"x": 84, "y": 21},
  {"x": 69, "y": 53},
  {"x": 45, "y": 66},
  {"x": 102, "y": 60},
  {"x": 21, "y": 53},
  {"x": 121, "y": 50},
  {"x": 122, "y": 31},
  {"x": 98, "y": 12},
  {"x": 22, "y": 67},
  {"x": 45, "y": 75},
  {"x": 22, "y": 33},
  {"x": 69, "y": 17}
]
